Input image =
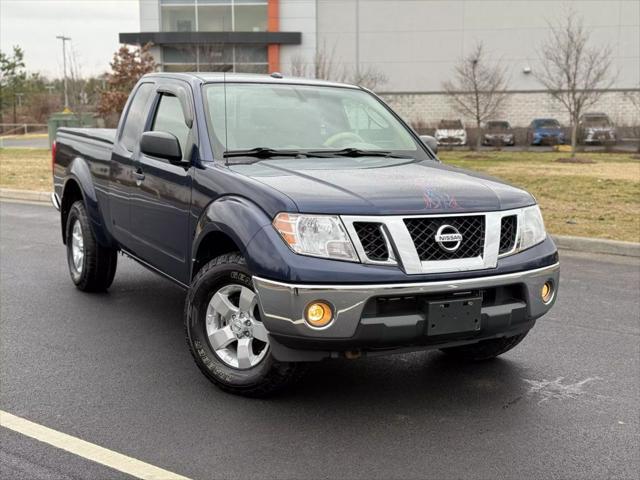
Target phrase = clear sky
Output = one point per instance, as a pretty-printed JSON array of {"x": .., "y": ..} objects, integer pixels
[{"x": 93, "y": 26}]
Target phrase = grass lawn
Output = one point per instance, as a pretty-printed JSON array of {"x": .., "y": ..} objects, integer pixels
[
  {"x": 600, "y": 199},
  {"x": 26, "y": 169}
]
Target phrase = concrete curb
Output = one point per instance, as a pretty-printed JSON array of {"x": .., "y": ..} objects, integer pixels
[
  {"x": 563, "y": 242},
  {"x": 25, "y": 195},
  {"x": 596, "y": 245}
]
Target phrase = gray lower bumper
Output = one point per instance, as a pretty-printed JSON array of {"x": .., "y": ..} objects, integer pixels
[{"x": 282, "y": 305}]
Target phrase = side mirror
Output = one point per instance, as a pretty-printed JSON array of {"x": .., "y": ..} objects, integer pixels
[
  {"x": 430, "y": 142},
  {"x": 161, "y": 145}
]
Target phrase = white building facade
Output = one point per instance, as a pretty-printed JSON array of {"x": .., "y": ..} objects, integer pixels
[{"x": 413, "y": 44}]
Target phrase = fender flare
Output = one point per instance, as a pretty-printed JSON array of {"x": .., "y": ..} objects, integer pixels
[
  {"x": 79, "y": 172},
  {"x": 237, "y": 217}
]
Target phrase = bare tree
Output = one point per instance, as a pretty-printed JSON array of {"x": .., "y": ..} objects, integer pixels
[
  {"x": 478, "y": 89},
  {"x": 325, "y": 66},
  {"x": 369, "y": 77},
  {"x": 78, "y": 98},
  {"x": 575, "y": 73}
]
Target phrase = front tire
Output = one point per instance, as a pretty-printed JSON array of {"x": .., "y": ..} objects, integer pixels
[
  {"x": 225, "y": 333},
  {"x": 91, "y": 266},
  {"x": 484, "y": 350}
]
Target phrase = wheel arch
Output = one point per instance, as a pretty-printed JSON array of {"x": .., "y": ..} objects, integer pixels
[
  {"x": 79, "y": 185},
  {"x": 227, "y": 224}
]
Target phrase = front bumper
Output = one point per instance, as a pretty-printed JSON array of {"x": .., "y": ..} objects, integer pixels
[
  {"x": 391, "y": 316},
  {"x": 548, "y": 139},
  {"x": 452, "y": 141}
]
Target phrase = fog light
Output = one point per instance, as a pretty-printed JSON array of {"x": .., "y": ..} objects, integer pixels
[
  {"x": 318, "y": 314},
  {"x": 546, "y": 292}
]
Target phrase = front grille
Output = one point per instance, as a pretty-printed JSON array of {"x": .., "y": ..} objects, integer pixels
[
  {"x": 423, "y": 232},
  {"x": 372, "y": 240},
  {"x": 508, "y": 230}
]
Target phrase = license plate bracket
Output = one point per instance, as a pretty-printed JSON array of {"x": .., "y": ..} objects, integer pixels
[{"x": 454, "y": 315}]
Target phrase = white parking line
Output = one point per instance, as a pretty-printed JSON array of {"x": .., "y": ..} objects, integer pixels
[{"x": 87, "y": 450}]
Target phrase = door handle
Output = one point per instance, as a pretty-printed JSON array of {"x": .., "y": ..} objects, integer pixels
[{"x": 139, "y": 176}]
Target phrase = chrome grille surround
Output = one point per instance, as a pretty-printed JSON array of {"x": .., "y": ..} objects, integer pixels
[{"x": 403, "y": 251}]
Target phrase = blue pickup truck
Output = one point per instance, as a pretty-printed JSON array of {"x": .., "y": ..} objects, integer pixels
[{"x": 306, "y": 220}]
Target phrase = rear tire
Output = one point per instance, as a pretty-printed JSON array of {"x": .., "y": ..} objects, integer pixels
[
  {"x": 225, "y": 333},
  {"x": 91, "y": 266},
  {"x": 484, "y": 350}
]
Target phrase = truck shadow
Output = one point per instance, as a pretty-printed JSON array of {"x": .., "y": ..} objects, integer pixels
[{"x": 421, "y": 381}]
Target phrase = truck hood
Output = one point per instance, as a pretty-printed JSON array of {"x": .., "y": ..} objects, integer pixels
[{"x": 383, "y": 186}]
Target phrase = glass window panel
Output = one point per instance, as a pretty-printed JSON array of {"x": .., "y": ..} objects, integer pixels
[
  {"x": 177, "y": 67},
  {"x": 251, "y": 18},
  {"x": 216, "y": 67},
  {"x": 136, "y": 116},
  {"x": 245, "y": 54},
  {"x": 179, "y": 54},
  {"x": 214, "y": 18},
  {"x": 170, "y": 119},
  {"x": 178, "y": 18},
  {"x": 252, "y": 68},
  {"x": 216, "y": 53}
]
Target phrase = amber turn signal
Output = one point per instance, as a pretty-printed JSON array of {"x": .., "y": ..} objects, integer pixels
[
  {"x": 546, "y": 292},
  {"x": 318, "y": 314}
]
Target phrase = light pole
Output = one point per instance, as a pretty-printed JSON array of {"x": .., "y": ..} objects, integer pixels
[{"x": 64, "y": 68}]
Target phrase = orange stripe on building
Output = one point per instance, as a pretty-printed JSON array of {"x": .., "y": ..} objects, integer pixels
[{"x": 273, "y": 25}]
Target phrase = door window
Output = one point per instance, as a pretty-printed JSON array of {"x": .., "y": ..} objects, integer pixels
[
  {"x": 136, "y": 117},
  {"x": 170, "y": 118}
]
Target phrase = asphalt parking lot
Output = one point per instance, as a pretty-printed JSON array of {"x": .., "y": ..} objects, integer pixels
[{"x": 113, "y": 369}]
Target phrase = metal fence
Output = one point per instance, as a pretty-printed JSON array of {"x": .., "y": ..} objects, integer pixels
[{"x": 22, "y": 128}]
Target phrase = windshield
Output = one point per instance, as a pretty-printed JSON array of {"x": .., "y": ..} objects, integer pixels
[
  {"x": 547, "y": 123},
  {"x": 498, "y": 125},
  {"x": 597, "y": 121},
  {"x": 302, "y": 118},
  {"x": 450, "y": 125}
]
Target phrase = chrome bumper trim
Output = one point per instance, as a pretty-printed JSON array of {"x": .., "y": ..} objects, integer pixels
[
  {"x": 437, "y": 286},
  {"x": 55, "y": 200},
  {"x": 282, "y": 304}
]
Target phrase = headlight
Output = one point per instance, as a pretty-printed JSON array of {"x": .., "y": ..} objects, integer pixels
[
  {"x": 530, "y": 228},
  {"x": 315, "y": 235}
]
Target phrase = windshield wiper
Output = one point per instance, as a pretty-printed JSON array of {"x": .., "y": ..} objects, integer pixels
[
  {"x": 353, "y": 152},
  {"x": 261, "y": 152}
]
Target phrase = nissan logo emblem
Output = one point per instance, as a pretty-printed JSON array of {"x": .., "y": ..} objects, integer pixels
[{"x": 449, "y": 238}]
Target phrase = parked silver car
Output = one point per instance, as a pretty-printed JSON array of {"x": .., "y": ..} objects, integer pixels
[
  {"x": 451, "y": 132},
  {"x": 596, "y": 128}
]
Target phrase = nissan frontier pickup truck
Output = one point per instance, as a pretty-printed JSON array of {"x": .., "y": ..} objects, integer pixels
[{"x": 306, "y": 220}]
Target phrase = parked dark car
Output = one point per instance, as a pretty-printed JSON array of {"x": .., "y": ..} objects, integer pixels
[
  {"x": 451, "y": 132},
  {"x": 545, "y": 131},
  {"x": 596, "y": 128},
  {"x": 498, "y": 133},
  {"x": 306, "y": 221}
]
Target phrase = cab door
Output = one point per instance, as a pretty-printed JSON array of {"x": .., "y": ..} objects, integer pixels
[
  {"x": 161, "y": 201},
  {"x": 125, "y": 151}
]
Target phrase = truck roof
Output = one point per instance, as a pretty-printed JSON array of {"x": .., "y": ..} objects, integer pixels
[{"x": 219, "y": 77}]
